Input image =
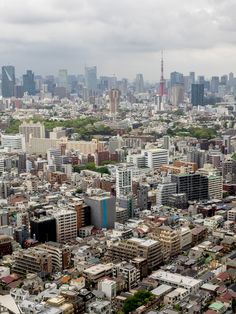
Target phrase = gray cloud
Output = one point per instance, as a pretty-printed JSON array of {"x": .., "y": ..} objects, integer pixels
[{"x": 122, "y": 37}]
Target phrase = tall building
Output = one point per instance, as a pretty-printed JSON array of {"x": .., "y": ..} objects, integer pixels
[
  {"x": 63, "y": 79},
  {"x": 103, "y": 210},
  {"x": 192, "y": 77},
  {"x": 176, "y": 78},
  {"x": 66, "y": 225},
  {"x": 195, "y": 186},
  {"x": 139, "y": 83},
  {"x": 91, "y": 79},
  {"x": 166, "y": 142},
  {"x": 177, "y": 94},
  {"x": 114, "y": 100},
  {"x": 197, "y": 94},
  {"x": 31, "y": 129},
  {"x": 123, "y": 181},
  {"x": 8, "y": 81},
  {"x": 215, "y": 81},
  {"x": 29, "y": 83},
  {"x": 43, "y": 229}
]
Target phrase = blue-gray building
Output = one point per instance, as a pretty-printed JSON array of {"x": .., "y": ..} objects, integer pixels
[{"x": 197, "y": 94}]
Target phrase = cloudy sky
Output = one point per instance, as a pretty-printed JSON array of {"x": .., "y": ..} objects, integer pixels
[{"x": 121, "y": 37}]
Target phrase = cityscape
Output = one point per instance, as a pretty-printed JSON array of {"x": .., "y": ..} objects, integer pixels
[{"x": 117, "y": 192}]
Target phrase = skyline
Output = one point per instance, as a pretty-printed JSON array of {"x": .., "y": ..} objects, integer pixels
[{"x": 124, "y": 39}]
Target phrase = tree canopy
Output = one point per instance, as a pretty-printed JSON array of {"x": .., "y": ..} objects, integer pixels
[{"x": 140, "y": 298}]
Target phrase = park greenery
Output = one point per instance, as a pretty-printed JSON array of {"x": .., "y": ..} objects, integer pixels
[
  {"x": 86, "y": 128},
  {"x": 92, "y": 167},
  {"x": 140, "y": 298},
  {"x": 198, "y": 132}
]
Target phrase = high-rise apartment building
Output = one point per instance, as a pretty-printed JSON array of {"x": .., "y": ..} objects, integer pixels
[
  {"x": 31, "y": 129},
  {"x": 29, "y": 83},
  {"x": 197, "y": 94},
  {"x": 123, "y": 181},
  {"x": 8, "y": 81},
  {"x": 43, "y": 229},
  {"x": 66, "y": 225},
  {"x": 164, "y": 191}
]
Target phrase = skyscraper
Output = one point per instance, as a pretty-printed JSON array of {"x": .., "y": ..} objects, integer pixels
[
  {"x": 91, "y": 79},
  {"x": 8, "y": 81},
  {"x": 63, "y": 79},
  {"x": 29, "y": 83},
  {"x": 176, "y": 78},
  {"x": 114, "y": 99},
  {"x": 139, "y": 83},
  {"x": 197, "y": 94}
]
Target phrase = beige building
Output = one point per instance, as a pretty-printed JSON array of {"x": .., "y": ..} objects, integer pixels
[
  {"x": 170, "y": 241},
  {"x": 134, "y": 247},
  {"x": 33, "y": 261},
  {"x": 66, "y": 225},
  {"x": 32, "y": 130},
  {"x": 60, "y": 302}
]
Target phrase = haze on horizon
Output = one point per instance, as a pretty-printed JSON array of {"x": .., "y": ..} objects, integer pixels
[{"x": 122, "y": 37}]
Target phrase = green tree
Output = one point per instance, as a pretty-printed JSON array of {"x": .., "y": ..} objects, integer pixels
[{"x": 140, "y": 298}]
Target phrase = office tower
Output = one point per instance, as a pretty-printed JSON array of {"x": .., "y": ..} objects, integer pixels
[
  {"x": 103, "y": 210},
  {"x": 66, "y": 225},
  {"x": 169, "y": 240},
  {"x": 224, "y": 80},
  {"x": 91, "y": 79},
  {"x": 192, "y": 78},
  {"x": 150, "y": 250},
  {"x": 29, "y": 83},
  {"x": 63, "y": 79},
  {"x": 195, "y": 186},
  {"x": 83, "y": 214},
  {"x": 176, "y": 78},
  {"x": 43, "y": 228},
  {"x": 123, "y": 87},
  {"x": 227, "y": 143},
  {"x": 155, "y": 158},
  {"x": 231, "y": 80},
  {"x": 8, "y": 81},
  {"x": 21, "y": 162},
  {"x": 200, "y": 79},
  {"x": 123, "y": 181},
  {"x": 139, "y": 83},
  {"x": 164, "y": 191},
  {"x": 177, "y": 95},
  {"x": 166, "y": 142},
  {"x": 32, "y": 261},
  {"x": 54, "y": 158},
  {"x": 215, "y": 81},
  {"x": 197, "y": 94},
  {"x": 19, "y": 91},
  {"x": 114, "y": 100},
  {"x": 31, "y": 129}
]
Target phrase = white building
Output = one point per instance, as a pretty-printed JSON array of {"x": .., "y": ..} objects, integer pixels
[
  {"x": 108, "y": 287},
  {"x": 123, "y": 181},
  {"x": 13, "y": 142},
  {"x": 231, "y": 214},
  {"x": 155, "y": 158}
]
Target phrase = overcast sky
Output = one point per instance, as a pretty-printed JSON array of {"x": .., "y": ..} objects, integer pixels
[{"x": 121, "y": 37}]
